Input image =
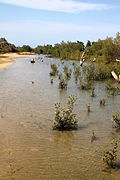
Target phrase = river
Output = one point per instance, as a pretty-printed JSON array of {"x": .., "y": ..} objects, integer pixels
[{"x": 29, "y": 148}]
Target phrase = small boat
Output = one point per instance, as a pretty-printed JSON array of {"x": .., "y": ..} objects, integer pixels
[
  {"x": 32, "y": 61},
  {"x": 94, "y": 60}
]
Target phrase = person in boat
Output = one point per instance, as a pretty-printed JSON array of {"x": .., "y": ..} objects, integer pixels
[{"x": 33, "y": 60}]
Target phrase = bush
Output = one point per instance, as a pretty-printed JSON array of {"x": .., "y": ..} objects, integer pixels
[
  {"x": 86, "y": 85},
  {"x": 67, "y": 72},
  {"x": 77, "y": 72},
  {"x": 112, "y": 88},
  {"x": 65, "y": 119},
  {"x": 54, "y": 70},
  {"x": 93, "y": 92},
  {"x": 110, "y": 157},
  {"x": 62, "y": 82},
  {"x": 116, "y": 120}
]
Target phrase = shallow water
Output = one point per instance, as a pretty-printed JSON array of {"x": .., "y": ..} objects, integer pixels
[{"x": 29, "y": 148}]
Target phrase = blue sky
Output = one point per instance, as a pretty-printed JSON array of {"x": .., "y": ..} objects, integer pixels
[{"x": 50, "y": 21}]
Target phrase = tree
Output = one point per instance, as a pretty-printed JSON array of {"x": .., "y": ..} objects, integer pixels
[{"x": 88, "y": 43}]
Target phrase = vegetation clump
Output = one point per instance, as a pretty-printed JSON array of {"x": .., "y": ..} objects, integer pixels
[
  {"x": 88, "y": 108},
  {"x": 102, "y": 102},
  {"x": 54, "y": 70},
  {"x": 116, "y": 120},
  {"x": 65, "y": 119},
  {"x": 51, "y": 81},
  {"x": 110, "y": 156},
  {"x": 86, "y": 85},
  {"x": 62, "y": 83},
  {"x": 112, "y": 88},
  {"x": 89, "y": 72},
  {"x": 6, "y": 47},
  {"x": 67, "y": 72},
  {"x": 93, "y": 92},
  {"x": 93, "y": 137},
  {"x": 77, "y": 72}
]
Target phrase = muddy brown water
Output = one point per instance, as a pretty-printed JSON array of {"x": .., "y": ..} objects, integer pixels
[{"x": 29, "y": 148}]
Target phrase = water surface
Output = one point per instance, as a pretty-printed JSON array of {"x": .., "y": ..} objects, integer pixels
[{"x": 29, "y": 148}]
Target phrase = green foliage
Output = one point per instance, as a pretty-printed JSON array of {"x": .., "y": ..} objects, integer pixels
[
  {"x": 6, "y": 47},
  {"x": 77, "y": 72},
  {"x": 89, "y": 72},
  {"x": 65, "y": 119},
  {"x": 88, "y": 43},
  {"x": 46, "y": 49},
  {"x": 86, "y": 85},
  {"x": 116, "y": 120},
  {"x": 24, "y": 48},
  {"x": 54, "y": 70},
  {"x": 110, "y": 156},
  {"x": 112, "y": 88},
  {"x": 103, "y": 72},
  {"x": 64, "y": 50},
  {"x": 105, "y": 50}
]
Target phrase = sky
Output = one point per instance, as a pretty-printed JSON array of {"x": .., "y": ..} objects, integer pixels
[{"x": 42, "y": 22}]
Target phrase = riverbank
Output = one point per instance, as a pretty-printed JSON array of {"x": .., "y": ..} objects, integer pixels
[{"x": 6, "y": 60}]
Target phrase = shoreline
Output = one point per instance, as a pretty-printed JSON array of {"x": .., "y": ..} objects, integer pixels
[{"x": 6, "y": 59}]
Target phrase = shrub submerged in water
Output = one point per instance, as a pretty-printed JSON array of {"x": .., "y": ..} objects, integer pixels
[
  {"x": 116, "y": 120},
  {"x": 54, "y": 70},
  {"x": 65, "y": 119},
  {"x": 62, "y": 82},
  {"x": 110, "y": 156},
  {"x": 67, "y": 72}
]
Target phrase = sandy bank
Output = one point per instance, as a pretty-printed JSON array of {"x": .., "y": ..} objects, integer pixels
[{"x": 7, "y": 59}]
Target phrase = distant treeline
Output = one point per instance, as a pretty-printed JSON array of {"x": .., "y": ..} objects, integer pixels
[
  {"x": 6, "y": 47},
  {"x": 103, "y": 50}
]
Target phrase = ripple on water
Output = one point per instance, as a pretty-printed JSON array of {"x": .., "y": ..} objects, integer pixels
[{"x": 29, "y": 147}]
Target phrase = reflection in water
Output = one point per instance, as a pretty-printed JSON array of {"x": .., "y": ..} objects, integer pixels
[{"x": 29, "y": 148}]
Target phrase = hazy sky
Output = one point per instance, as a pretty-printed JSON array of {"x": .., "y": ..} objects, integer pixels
[{"x": 49, "y": 21}]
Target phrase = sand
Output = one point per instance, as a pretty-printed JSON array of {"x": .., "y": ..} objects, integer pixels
[{"x": 6, "y": 60}]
